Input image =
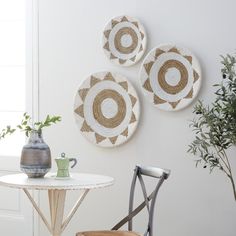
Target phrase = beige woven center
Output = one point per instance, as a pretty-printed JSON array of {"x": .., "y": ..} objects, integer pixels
[
  {"x": 126, "y": 31},
  {"x": 97, "y": 109},
  {"x": 173, "y": 89}
]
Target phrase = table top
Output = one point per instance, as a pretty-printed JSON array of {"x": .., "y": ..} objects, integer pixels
[{"x": 76, "y": 181}]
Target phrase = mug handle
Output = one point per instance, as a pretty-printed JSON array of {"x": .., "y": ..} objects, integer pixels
[{"x": 74, "y": 160}]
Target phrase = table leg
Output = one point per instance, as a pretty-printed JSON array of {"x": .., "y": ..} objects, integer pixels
[
  {"x": 37, "y": 209},
  {"x": 74, "y": 209},
  {"x": 56, "y": 204}
]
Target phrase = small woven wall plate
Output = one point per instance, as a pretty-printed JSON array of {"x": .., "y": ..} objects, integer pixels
[
  {"x": 124, "y": 40},
  {"x": 170, "y": 77},
  {"x": 106, "y": 109}
]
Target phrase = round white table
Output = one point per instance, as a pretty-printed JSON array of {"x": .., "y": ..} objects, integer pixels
[{"x": 57, "y": 189}]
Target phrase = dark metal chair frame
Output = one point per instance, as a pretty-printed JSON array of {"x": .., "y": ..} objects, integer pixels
[{"x": 149, "y": 200}]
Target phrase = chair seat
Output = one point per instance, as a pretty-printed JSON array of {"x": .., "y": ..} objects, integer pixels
[{"x": 107, "y": 233}]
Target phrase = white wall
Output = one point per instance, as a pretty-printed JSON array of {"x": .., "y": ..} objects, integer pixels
[{"x": 192, "y": 202}]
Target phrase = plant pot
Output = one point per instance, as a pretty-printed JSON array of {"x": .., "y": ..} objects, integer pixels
[{"x": 35, "y": 156}]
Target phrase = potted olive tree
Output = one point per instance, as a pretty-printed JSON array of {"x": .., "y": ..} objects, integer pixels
[
  {"x": 215, "y": 124},
  {"x": 36, "y": 155}
]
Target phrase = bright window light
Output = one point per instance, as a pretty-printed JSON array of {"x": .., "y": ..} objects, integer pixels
[{"x": 12, "y": 72}]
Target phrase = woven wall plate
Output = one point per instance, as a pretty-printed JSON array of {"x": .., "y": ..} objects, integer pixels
[
  {"x": 124, "y": 40},
  {"x": 170, "y": 77},
  {"x": 106, "y": 109}
]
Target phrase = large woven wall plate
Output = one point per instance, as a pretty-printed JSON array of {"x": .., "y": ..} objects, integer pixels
[
  {"x": 124, "y": 40},
  {"x": 106, "y": 109},
  {"x": 170, "y": 77}
]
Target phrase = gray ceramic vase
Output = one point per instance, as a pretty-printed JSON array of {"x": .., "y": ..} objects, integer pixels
[{"x": 35, "y": 156}]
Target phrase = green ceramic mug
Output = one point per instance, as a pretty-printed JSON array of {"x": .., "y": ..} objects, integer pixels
[{"x": 63, "y": 165}]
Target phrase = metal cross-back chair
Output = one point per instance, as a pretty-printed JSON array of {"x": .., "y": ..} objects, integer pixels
[{"x": 149, "y": 202}]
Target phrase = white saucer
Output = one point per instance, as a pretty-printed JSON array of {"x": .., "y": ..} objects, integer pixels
[
  {"x": 62, "y": 178},
  {"x": 59, "y": 178}
]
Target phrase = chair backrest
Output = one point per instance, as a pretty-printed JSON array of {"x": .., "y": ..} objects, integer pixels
[{"x": 149, "y": 200}]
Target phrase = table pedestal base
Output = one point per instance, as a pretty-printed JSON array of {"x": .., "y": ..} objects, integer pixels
[{"x": 56, "y": 203}]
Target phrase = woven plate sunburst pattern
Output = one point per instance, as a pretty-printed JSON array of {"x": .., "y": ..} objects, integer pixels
[
  {"x": 106, "y": 109},
  {"x": 170, "y": 77},
  {"x": 124, "y": 40}
]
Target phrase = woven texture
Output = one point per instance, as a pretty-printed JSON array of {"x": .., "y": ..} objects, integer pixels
[
  {"x": 107, "y": 233},
  {"x": 107, "y": 109},
  {"x": 124, "y": 40},
  {"x": 170, "y": 77}
]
